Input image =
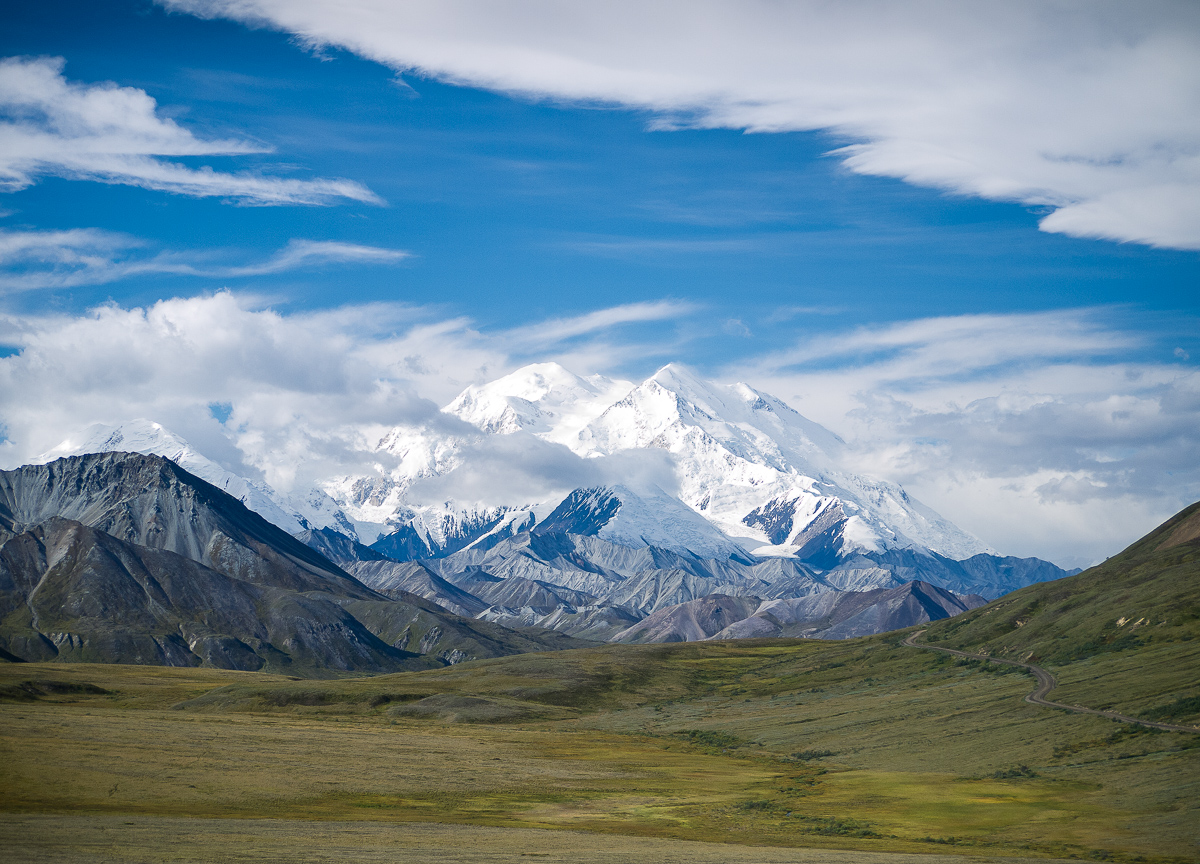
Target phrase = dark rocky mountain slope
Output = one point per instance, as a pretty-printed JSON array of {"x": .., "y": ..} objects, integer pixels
[
  {"x": 151, "y": 501},
  {"x": 126, "y": 558},
  {"x": 692, "y": 621},
  {"x": 388, "y": 576},
  {"x": 86, "y": 596},
  {"x": 847, "y": 614}
]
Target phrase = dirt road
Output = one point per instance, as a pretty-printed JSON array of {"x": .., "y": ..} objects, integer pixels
[{"x": 1046, "y": 683}]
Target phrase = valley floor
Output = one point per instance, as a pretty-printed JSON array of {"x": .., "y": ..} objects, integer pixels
[
  {"x": 763, "y": 751},
  {"x": 112, "y": 839}
]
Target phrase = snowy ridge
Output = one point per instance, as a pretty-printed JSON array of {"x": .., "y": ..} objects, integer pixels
[
  {"x": 543, "y": 398},
  {"x": 753, "y": 475},
  {"x": 652, "y": 518},
  {"x": 747, "y": 462},
  {"x": 292, "y": 513},
  {"x": 740, "y": 450}
]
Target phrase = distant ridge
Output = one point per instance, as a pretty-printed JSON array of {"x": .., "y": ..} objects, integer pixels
[{"x": 826, "y": 615}]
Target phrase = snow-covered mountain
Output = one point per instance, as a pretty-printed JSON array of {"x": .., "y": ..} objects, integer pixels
[
  {"x": 292, "y": 513},
  {"x": 750, "y": 500},
  {"x": 760, "y": 473},
  {"x": 752, "y": 475},
  {"x": 543, "y": 398}
]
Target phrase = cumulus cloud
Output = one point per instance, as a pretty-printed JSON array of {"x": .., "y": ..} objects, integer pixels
[
  {"x": 299, "y": 386},
  {"x": 309, "y": 394},
  {"x": 91, "y": 256},
  {"x": 518, "y": 469},
  {"x": 112, "y": 134},
  {"x": 507, "y": 470},
  {"x": 1091, "y": 109},
  {"x": 1045, "y": 434},
  {"x": 1038, "y": 432}
]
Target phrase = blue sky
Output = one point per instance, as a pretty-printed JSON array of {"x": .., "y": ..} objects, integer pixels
[
  {"x": 508, "y": 202},
  {"x": 517, "y": 202}
]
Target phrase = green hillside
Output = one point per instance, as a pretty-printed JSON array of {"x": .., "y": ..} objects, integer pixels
[
  {"x": 1146, "y": 595},
  {"x": 1136, "y": 617}
]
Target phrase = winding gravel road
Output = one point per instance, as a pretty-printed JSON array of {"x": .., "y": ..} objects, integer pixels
[{"x": 1045, "y": 684}]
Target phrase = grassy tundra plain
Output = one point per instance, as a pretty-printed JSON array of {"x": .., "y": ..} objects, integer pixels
[
  {"x": 863, "y": 745},
  {"x": 755, "y": 750}
]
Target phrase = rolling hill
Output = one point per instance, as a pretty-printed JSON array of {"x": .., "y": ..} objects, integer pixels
[{"x": 1147, "y": 595}]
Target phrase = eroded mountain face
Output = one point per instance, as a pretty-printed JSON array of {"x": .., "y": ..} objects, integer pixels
[
  {"x": 592, "y": 588},
  {"x": 120, "y": 557}
]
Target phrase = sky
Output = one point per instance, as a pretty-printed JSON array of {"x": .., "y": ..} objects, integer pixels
[{"x": 964, "y": 236}]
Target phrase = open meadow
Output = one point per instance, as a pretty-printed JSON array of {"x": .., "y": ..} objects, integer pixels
[{"x": 771, "y": 745}]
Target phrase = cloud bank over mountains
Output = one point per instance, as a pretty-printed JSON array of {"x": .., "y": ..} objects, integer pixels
[
  {"x": 1090, "y": 110},
  {"x": 1053, "y": 441},
  {"x": 1061, "y": 433}
]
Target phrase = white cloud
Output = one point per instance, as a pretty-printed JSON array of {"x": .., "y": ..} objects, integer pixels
[
  {"x": 308, "y": 253},
  {"x": 91, "y": 256},
  {"x": 301, "y": 386},
  {"x": 520, "y": 469},
  {"x": 1037, "y": 432},
  {"x": 1091, "y": 108},
  {"x": 1044, "y": 434},
  {"x": 556, "y": 330},
  {"x": 307, "y": 391},
  {"x": 112, "y": 134}
]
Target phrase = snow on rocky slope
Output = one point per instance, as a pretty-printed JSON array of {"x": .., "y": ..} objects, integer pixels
[
  {"x": 752, "y": 475},
  {"x": 653, "y": 518},
  {"x": 753, "y": 467},
  {"x": 292, "y": 513}
]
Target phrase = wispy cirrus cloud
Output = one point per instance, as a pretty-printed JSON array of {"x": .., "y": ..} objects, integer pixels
[
  {"x": 31, "y": 260},
  {"x": 1090, "y": 109},
  {"x": 112, "y": 134},
  {"x": 554, "y": 331},
  {"x": 953, "y": 347}
]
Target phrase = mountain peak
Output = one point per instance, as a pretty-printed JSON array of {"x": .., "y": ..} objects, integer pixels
[
  {"x": 291, "y": 513},
  {"x": 545, "y": 399},
  {"x": 683, "y": 381},
  {"x": 136, "y": 436}
]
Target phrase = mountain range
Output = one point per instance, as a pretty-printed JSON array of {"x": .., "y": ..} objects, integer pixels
[
  {"x": 751, "y": 515},
  {"x": 125, "y": 558}
]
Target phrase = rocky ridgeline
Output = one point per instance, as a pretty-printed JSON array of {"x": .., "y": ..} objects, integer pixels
[{"x": 125, "y": 558}]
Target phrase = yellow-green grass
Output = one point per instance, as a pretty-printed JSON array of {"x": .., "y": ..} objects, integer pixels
[
  {"x": 1130, "y": 626},
  {"x": 898, "y": 749},
  {"x": 860, "y": 745},
  {"x": 107, "y": 839},
  {"x": 155, "y": 763},
  {"x": 1132, "y": 682}
]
